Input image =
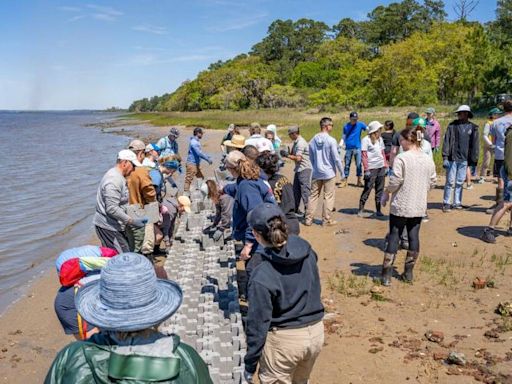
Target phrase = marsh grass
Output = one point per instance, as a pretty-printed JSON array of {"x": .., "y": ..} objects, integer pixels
[
  {"x": 442, "y": 271},
  {"x": 349, "y": 285}
]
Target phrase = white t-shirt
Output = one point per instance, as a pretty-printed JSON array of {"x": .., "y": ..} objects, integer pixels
[
  {"x": 374, "y": 151},
  {"x": 261, "y": 143}
]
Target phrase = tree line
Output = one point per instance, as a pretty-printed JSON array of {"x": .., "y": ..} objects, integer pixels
[{"x": 405, "y": 53}]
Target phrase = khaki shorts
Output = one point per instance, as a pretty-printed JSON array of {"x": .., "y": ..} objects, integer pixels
[{"x": 289, "y": 354}]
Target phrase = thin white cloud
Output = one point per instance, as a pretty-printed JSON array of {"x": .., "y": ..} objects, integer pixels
[
  {"x": 75, "y": 18},
  {"x": 239, "y": 23},
  {"x": 67, "y": 8},
  {"x": 154, "y": 29},
  {"x": 104, "y": 13}
]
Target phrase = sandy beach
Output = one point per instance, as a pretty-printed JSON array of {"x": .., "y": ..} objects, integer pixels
[{"x": 374, "y": 337}]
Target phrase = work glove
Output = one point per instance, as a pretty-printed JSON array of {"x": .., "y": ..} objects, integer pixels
[
  {"x": 248, "y": 377},
  {"x": 284, "y": 152},
  {"x": 446, "y": 164},
  {"x": 140, "y": 222},
  {"x": 217, "y": 235}
]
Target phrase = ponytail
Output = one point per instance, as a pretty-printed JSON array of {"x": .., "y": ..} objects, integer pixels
[
  {"x": 413, "y": 136},
  {"x": 276, "y": 232}
]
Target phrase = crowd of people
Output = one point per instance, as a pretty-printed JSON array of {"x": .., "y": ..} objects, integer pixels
[{"x": 113, "y": 297}]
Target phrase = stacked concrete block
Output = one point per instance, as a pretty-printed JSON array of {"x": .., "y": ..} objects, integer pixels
[{"x": 209, "y": 318}]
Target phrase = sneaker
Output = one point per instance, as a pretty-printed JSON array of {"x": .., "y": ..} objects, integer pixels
[
  {"x": 308, "y": 222},
  {"x": 469, "y": 187},
  {"x": 425, "y": 219},
  {"x": 379, "y": 214},
  {"x": 458, "y": 207},
  {"x": 330, "y": 222},
  {"x": 488, "y": 236},
  {"x": 447, "y": 208},
  {"x": 342, "y": 184},
  {"x": 480, "y": 180},
  {"x": 300, "y": 214}
]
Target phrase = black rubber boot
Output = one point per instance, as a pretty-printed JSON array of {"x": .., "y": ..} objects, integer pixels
[
  {"x": 387, "y": 269},
  {"x": 410, "y": 261}
]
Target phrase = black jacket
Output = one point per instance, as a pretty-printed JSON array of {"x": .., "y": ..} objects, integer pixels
[
  {"x": 461, "y": 142},
  {"x": 283, "y": 192},
  {"x": 284, "y": 292}
]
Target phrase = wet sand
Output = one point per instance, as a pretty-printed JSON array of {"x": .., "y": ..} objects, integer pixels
[{"x": 368, "y": 340}]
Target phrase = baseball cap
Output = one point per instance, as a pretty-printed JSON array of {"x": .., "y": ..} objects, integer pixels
[
  {"x": 419, "y": 122},
  {"x": 185, "y": 202},
  {"x": 495, "y": 111},
  {"x": 137, "y": 145},
  {"x": 353, "y": 115},
  {"x": 233, "y": 158},
  {"x": 259, "y": 217},
  {"x": 293, "y": 129},
  {"x": 430, "y": 110},
  {"x": 128, "y": 155},
  {"x": 152, "y": 147}
]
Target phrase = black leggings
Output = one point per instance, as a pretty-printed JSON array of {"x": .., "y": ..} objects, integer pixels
[
  {"x": 377, "y": 178},
  {"x": 396, "y": 227}
]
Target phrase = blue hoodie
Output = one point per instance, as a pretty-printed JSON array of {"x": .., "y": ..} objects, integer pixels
[
  {"x": 195, "y": 153},
  {"x": 247, "y": 194},
  {"x": 324, "y": 156}
]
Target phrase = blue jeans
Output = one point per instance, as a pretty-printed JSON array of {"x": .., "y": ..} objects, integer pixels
[
  {"x": 455, "y": 174},
  {"x": 348, "y": 160}
]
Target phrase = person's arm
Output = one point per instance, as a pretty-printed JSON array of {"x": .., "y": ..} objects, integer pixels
[
  {"x": 112, "y": 199},
  {"x": 364, "y": 158},
  {"x": 395, "y": 145},
  {"x": 148, "y": 191},
  {"x": 230, "y": 189},
  {"x": 437, "y": 134},
  {"x": 508, "y": 152},
  {"x": 312, "y": 155},
  {"x": 226, "y": 212},
  {"x": 337, "y": 158},
  {"x": 298, "y": 152},
  {"x": 258, "y": 323},
  {"x": 383, "y": 153},
  {"x": 487, "y": 131},
  {"x": 433, "y": 175},
  {"x": 396, "y": 179},
  {"x": 474, "y": 150},
  {"x": 196, "y": 148},
  {"x": 446, "y": 143}
]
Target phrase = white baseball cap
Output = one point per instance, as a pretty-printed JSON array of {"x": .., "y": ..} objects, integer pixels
[{"x": 128, "y": 155}]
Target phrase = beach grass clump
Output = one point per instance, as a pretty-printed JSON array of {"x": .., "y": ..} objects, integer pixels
[{"x": 349, "y": 285}]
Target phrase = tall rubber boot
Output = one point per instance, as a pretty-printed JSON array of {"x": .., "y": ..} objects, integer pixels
[
  {"x": 410, "y": 261},
  {"x": 387, "y": 269},
  {"x": 499, "y": 198}
]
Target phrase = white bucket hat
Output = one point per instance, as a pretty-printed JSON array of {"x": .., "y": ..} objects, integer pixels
[
  {"x": 374, "y": 126},
  {"x": 465, "y": 108}
]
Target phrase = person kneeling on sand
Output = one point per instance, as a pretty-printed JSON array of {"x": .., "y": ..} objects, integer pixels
[
  {"x": 223, "y": 209},
  {"x": 285, "y": 331},
  {"x": 414, "y": 174},
  {"x": 127, "y": 303}
]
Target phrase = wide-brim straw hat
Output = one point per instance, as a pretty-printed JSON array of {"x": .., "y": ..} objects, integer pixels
[
  {"x": 237, "y": 141},
  {"x": 374, "y": 126},
  {"x": 128, "y": 296}
]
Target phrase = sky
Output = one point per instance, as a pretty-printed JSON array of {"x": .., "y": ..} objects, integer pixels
[{"x": 93, "y": 55}]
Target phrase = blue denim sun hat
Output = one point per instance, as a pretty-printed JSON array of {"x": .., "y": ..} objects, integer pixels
[{"x": 128, "y": 296}]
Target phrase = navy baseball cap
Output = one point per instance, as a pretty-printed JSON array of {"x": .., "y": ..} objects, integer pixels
[
  {"x": 259, "y": 217},
  {"x": 354, "y": 115}
]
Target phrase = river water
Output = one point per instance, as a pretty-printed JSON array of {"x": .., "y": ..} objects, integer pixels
[{"x": 50, "y": 169}]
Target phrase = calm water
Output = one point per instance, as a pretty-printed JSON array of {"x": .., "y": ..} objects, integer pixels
[{"x": 51, "y": 165}]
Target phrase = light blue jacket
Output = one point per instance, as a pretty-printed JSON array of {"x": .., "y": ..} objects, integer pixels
[
  {"x": 324, "y": 156},
  {"x": 167, "y": 146},
  {"x": 195, "y": 153}
]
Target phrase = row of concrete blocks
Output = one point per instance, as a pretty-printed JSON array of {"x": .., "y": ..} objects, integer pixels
[{"x": 209, "y": 318}]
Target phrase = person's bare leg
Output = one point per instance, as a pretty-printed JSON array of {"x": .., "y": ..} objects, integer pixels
[{"x": 500, "y": 210}]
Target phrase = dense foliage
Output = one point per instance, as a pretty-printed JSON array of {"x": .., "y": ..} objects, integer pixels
[{"x": 405, "y": 53}]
